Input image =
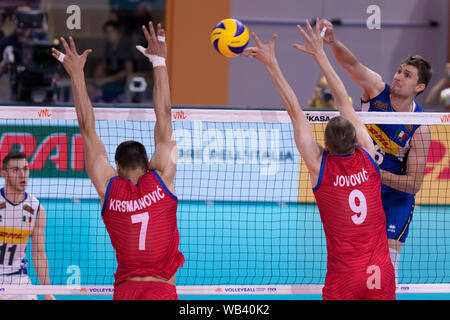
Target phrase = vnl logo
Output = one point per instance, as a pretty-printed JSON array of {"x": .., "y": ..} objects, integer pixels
[
  {"x": 445, "y": 118},
  {"x": 44, "y": 113}
]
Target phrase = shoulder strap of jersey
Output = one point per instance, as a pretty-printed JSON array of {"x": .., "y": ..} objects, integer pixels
[
  {"x": 107, "y": 194},
  {"x": 322, "y": 168},
  {"x": 371, "y": 159}
]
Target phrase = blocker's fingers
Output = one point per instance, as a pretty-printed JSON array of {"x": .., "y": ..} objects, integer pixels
[
  {"x": 65, "y": 45},
  {"x": 58, "y": 55},
  {"x": 72, "y": 45},
  {"x": 86, "y": 52},
  {"x": 308, "y": 26},
  {"x": 272, "y": 40},
  {"x": 152, "y": 30},
  {"x": 146, "y": 34},
  {"x": 317, "y": 28},
  {"x": 299, "y": 27},
  {"x": 300, "y": 47},
  {"x": 257, "y": 41},
  {"x": 161, "y": 33}
]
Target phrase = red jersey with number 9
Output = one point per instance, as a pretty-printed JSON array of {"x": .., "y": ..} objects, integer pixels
[
  {"x": 142, "y": 223},
  {"x": 348, "y": 195}
]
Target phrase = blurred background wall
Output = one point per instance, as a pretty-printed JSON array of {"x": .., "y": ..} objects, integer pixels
[
  {"x": 199, "y": 76},
  {"x": 381, "y": 50}
]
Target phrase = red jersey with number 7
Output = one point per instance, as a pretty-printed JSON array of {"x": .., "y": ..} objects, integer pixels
[
  {"x": 142, "y": 223},
  {"x": 348, "y": 195}
]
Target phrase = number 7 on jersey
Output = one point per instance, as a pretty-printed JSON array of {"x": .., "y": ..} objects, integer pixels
[{"x": 143, "y": 219}]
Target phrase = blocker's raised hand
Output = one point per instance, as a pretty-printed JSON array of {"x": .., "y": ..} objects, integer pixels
[
  {"x": 71, "y": 60},
  {"x": 265, "y": 53},
  {"x": 156, "y": 41},
  {"x": 313, "y": 41}
]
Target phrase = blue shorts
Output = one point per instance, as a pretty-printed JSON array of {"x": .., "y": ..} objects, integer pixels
[{"x": 399, "y": 207}]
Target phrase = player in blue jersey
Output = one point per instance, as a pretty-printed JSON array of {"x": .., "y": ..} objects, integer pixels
[{"x": 401, "y": 149}]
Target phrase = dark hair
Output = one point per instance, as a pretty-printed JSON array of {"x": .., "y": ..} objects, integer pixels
[
  {"x": 111, "y": 23},
  {"x": 340, "y": 136},
  {"x": 423, "y": 69},
  {"x": 13, "y": 155},
  {"x": 131, "y": 155}
]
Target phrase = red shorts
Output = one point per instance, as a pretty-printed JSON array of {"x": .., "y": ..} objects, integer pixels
[
  {"x": 379, "y": 285},
  {"x": 145, "y": 290}
]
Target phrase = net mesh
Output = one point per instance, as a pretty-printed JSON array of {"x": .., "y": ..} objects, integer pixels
[{"x": 246, "y": 214}]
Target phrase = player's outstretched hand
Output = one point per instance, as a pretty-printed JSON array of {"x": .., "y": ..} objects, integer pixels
[
  {"x": 313, "y": 41},
  {"x": 328, "y": 35},
  {"x": 71, "y": 60},
  {"x": 264, "y": 53},
  {"x": 156, "y": 41}
]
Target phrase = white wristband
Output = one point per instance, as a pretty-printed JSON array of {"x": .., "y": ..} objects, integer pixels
[{"x": 157, "y": 61}]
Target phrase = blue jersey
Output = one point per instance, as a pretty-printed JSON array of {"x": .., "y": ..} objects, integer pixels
[{"x": 392, "y": 144}]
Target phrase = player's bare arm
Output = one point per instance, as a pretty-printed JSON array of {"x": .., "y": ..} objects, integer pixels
[
  {"x": 164, "y": 157},
  {"x": 38, "y": 253},
  {"x": 369, "y": 80},
  {"x": 415, "y": 165},
  {"x": 314, "y": 46},
  {"x": 310, "y": 150},
  {"x": 98, "y": 167}
]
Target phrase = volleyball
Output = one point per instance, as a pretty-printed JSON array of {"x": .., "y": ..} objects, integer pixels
[{"x": 230, "y": 37}]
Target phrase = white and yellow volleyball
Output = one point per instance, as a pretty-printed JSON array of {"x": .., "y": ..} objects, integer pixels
[{"x": 230, "y": 37}]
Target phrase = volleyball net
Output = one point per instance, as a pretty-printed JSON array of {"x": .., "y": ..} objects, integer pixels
[{"x": 247, "y": 216}]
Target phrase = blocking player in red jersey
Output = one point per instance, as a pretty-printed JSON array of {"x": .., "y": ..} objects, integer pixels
[
  {"x": 346, "y": 180},
  {"x": 138, "y": 200}
]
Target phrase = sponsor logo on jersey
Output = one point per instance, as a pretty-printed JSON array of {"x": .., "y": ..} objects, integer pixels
[
  {"x": 3, "y": 205},
  {"x": 382, "y": 140},
  {"x": 28, "y": 209},
  {"x": 13, "y": 235},
  {"x": 409, "y": 127},
  {"x": 391, "y": 228},
  {"x": 380, "y": 105}
]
